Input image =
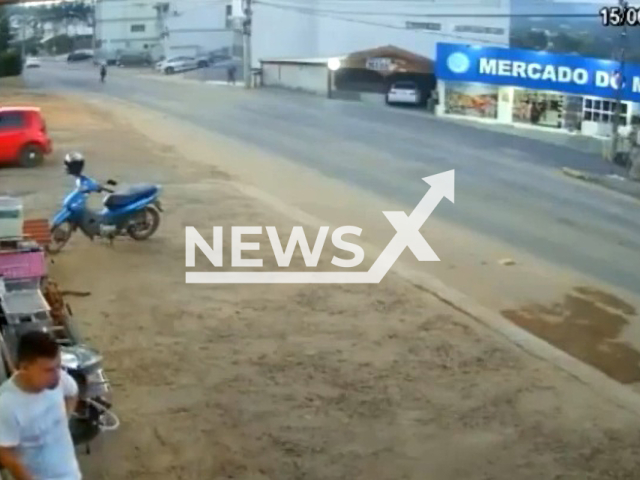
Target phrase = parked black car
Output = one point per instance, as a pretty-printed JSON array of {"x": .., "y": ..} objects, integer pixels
[
  {"x": 78, "y": 56},
  {"x": 134, "y": 60}
]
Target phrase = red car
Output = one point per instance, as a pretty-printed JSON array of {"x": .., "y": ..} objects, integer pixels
[{"x": 23, "y": 136}]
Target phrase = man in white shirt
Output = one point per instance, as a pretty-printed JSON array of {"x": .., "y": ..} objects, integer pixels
[{"x": 35, "y": 405}]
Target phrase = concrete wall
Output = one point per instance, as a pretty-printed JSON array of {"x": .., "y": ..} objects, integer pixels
[
  {"x": 296, "y": 35},
  {"x": 197, "y": 28},
  {"x": 307, "y": 78},
  {"x": 117, "y": 28},
  {"x": 198, "y": 43},
  {"x": 505, "y": 104},
  {"x": 310, "y": 30},
  {"x": 188, "y": 27}
]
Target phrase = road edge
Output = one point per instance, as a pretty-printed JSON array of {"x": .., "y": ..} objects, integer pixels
[{"x": 602, "y": 385}]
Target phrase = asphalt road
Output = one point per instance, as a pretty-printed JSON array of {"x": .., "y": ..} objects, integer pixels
[{"x": 507, "y": 187}]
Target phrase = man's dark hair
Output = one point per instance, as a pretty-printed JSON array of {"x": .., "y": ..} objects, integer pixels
[{"x": 34, "y": 345}]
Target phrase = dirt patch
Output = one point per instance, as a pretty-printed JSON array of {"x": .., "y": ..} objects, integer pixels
[
  {"x": 296, "y": 381},
  {"x": 587, "y": 324}
]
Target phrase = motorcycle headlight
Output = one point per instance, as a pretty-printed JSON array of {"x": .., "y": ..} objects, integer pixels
[
  {"x": 70, "y": 360},
  {"x": 79, "y": 357}
]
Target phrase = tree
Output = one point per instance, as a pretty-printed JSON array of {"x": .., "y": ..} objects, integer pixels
[
  {"x": 530, "y": 40},
  {"x": 5, "y": 30},
  {"x": 565, "y": 43}
]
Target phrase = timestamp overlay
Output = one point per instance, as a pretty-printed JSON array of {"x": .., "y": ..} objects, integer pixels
[{"x": 620, "y": 16}]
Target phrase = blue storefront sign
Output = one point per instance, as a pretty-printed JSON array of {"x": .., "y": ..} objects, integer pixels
[{"x": 536, "y": 70}]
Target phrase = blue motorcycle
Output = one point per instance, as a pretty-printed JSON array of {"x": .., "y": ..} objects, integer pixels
[{"x": 133, "y": 211}]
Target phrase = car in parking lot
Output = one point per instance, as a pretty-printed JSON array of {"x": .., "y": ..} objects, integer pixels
[
  {"x": 32, "y": 62},
  {"x": 23, "y": 136},
  {"x": 181, "y": 63},
  {"x": 404, "y": 92},
  {"x": 133, "y": 60},
  {"x": 79, "y": 56},
  {"x": 176, "y": 64}
]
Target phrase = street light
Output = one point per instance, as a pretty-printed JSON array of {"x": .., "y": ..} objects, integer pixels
[{"x": 333, "y": 65}]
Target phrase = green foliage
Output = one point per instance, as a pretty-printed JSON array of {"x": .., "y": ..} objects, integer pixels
[
  {"x": 5, "y": 30},
  {"x": 61, "y": 11},
  {"x": 530, "y": 40},
  {"x": 10, "y": 63}
]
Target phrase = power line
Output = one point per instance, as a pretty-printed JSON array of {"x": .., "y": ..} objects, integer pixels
[{"x": 312, "y": 12}]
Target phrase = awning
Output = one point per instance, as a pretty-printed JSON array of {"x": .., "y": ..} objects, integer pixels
[{"x": 388, "y": 60}]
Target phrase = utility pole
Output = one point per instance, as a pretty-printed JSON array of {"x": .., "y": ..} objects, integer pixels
[
  {"x": 621, "y": 81},
  {"x": 93, "y": 24},
  {"x": 23, "y": 34},
  {"x": 246, "y": 49},
  {"x": 162, "y": 9}
]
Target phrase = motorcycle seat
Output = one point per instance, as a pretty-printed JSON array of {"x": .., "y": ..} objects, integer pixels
[{"x": 127, "y": 196}]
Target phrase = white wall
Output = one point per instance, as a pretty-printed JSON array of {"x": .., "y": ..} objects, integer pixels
[
  {"x": 308, "y": 78},
  {"x": 197, "y": 28},
  {"x": 323, "y": 29},
  {"x": 193, "y": 26},
  {"x": 114, "y": 21},
  {"x": 294, "y": 35}
]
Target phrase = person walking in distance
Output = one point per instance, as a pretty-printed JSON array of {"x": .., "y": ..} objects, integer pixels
[
  {"x": 103, "y": 72},
  {"x": 35, "y": 406},
  {"x": 231, "y": 75}
]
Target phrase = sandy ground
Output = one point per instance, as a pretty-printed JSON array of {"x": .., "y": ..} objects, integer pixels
[{"x": 292, "y": 381}]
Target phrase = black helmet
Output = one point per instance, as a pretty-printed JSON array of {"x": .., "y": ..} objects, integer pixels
[{"x": 74, "y": 163}]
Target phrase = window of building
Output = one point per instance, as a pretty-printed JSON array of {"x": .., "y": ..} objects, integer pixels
[
  {"x": 229, "y": 17},
  {"x": 536, "y": 107},
  {"x": 471, "y": 99},
  {"x": 424, "y": 26},
  {"x": 138, "y": 28},
  {"x": 479, "y": 29},
  {"x": 603, "y": 111}
]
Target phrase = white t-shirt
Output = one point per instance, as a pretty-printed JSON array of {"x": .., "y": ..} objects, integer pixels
[{"x": 36, "y": 425}]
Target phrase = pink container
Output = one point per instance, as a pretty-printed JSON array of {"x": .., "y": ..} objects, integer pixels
[{"x": 14, "y": 266}]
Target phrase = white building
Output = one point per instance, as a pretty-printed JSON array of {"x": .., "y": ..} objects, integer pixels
[
  {"x": 162, "y": 28},
  {"x": 317, "y": 28},
  {"x": 198, "y": 29},
  {"x": 126, "y": 26}
]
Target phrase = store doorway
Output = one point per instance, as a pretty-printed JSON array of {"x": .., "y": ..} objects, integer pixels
[{"x": 544, "y": 109}]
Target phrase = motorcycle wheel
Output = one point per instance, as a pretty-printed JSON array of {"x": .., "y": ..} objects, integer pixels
[
  {"x": 85, "y": 429},
  {"x": 144, "y": 224},
  {"x": 60, "y": 236}
]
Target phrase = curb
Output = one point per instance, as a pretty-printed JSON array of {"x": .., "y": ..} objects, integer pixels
[
  {"x": 600, "y": 384},
  {"x": 570, "y": 172},
  {"x": 599, "y": 181}
]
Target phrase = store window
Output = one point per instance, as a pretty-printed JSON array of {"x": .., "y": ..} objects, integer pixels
[
  {"x": 603, "y": 111},
  {"x": 471, "y": 99},
  {"x": 545, "y": 109}
]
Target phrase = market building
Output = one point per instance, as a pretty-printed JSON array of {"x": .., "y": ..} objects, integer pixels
[{"x": 535, "y": 88}]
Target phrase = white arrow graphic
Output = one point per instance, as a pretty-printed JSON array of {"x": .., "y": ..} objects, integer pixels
[{"x": 407, "y": 234}]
